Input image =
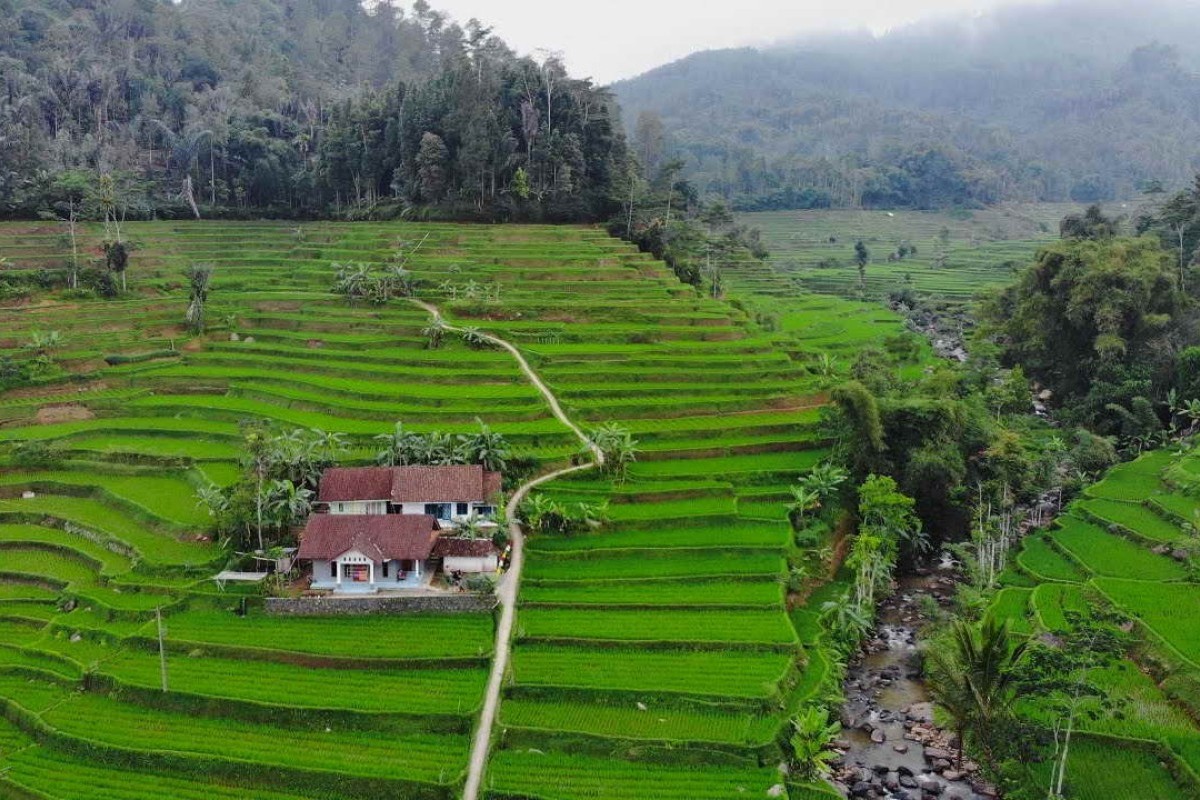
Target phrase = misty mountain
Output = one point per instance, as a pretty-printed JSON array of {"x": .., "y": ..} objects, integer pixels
[{"x": 1072, "y": 101}]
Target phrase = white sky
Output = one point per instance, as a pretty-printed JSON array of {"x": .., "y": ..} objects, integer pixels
[{"x": 622, "y": 38}]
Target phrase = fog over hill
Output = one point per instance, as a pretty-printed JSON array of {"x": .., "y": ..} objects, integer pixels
[{"x": 1079, "y": 101}]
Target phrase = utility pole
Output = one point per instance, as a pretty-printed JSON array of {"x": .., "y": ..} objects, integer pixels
[{"x": 162, "y": 652}]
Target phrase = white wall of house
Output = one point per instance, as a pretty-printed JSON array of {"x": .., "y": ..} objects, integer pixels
[
  {"x": 469, "y": 564},
  {"x": 338, "y": 574},
  {"x": 358, "y": 507},
  {"x": 455, "y": 511}
]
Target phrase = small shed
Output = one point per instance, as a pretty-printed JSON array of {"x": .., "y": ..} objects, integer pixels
[{"x": 468, "y": 556}]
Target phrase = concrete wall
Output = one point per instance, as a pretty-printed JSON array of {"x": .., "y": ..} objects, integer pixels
[
  {"x": 450, "y": 603},
  {"x": 469, "y": 564}
]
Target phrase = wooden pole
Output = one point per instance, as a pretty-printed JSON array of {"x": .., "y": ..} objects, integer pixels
[{"x": 162, "y": 652}]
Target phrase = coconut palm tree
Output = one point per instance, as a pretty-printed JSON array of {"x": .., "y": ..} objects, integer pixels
[{"x": 973, "y": 678}]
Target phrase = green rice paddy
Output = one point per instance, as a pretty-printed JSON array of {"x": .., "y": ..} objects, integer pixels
[{"x": 677, "y": 605}]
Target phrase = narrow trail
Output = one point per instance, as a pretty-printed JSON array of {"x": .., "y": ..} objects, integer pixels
[{"x": 506, "y": 590}]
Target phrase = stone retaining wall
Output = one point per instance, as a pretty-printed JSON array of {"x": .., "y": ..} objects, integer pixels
[{"x": 392, "y": 604}]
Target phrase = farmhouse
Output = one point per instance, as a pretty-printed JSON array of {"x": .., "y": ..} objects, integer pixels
[
  {"x": 451, "y": 494},
  {"x": 389, "y": 528}
]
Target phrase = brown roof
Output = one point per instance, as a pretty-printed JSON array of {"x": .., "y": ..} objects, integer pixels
[
  {"x": 458, "y": 547},
  {"x": 468, "y": 483},
  {"x": 381, "y": 537},
  {"x": 355, "y": 483},
  {"x": 464, "y": 483}
]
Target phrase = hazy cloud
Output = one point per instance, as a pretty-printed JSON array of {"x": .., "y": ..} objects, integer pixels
[{"x": 621, "y": 38}]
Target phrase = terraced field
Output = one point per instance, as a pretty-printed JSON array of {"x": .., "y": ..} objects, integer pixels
[
  {"x": 656, "y": 653},
  {"x": 1121, "y": 547},
  {"x": 957, "y": 253}
]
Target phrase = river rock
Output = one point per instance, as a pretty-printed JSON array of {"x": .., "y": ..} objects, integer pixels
[
  {"x": 900, "y": 748},
  {"x": 908, "y": 782},
  {"x": 929, "y": 784},
  {"x": 936, "y": 754},
  {"x": 952, "y": 775},
  {"x": 860, "y": 789},
  {"x": 941, "y": 764},
  {"x": 878, "y": 736}
]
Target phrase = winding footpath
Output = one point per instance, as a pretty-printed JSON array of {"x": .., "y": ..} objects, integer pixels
[{"x": 506, "y": 591}]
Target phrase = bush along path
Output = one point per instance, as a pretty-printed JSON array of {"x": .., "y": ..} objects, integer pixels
[{"x": 506, "y": 591}]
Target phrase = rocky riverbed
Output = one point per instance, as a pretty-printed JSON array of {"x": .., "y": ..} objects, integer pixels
[{"x": 891, "y": 748}]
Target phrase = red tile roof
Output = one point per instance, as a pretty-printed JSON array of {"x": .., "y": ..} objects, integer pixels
[
  {"x": 469, "y": 483},
  {"x": 458, "y": 547},
  {"x": 453, "y": 484},
  {"x": 380, "y": 537},
  {"x": 355, "y": 483}
]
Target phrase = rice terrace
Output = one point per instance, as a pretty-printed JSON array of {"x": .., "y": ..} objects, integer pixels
[
  {"x": 389, "y": 412},
  {"x": 679, "y": 607}
]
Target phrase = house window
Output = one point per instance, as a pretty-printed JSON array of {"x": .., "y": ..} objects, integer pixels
[
  {"x": 439, "y": 510},
  {"x": 385, "y": 569},
  {"x": 333, "y": 569},
  {"x": 485, "y": 511},
  {"x": 462, "y": 509}
]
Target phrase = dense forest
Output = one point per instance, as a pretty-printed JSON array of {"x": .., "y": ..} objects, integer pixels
[
  {"x": 1080, "y": 101},
  {"x": 293, "y": 108}
]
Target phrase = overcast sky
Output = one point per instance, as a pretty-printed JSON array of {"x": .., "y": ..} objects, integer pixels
[{"x": 622, "y": 38}]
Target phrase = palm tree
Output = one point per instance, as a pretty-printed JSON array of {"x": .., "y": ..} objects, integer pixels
[
  {"x": 487, "y": 448},
  {"x": 287, "y": 503},
  {"x": 845, "y": 621},
  {"x": 536, "y": 510},
  {"x": 804, "y": 499},
  {"x": 475, "y": 338},
  {"x": 199, "y": 277},
  {"x": 44, "y": 342},
  {"x": 184, "y": 149},
  {"x": 813, "y": 734},
  {"x": 973, "y": 678},
  {"x": 435, "y": 332},
  {"x": 824, "y": 479},
  {"x": 400, "y": 447},
  {"x": 471, "y": 528},
  {"x": 212, "y": 500},
  {"x": 618, "y": 447}
]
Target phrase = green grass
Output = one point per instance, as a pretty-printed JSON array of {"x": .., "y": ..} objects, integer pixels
[
  {"x": 574, "y": 777},
  {"x": 659, "y": 593},
  {"x": 1134, "y": 517},
  {"x": 1170, "y": 610},
  {"x": 664, "y": 564},
  {"x": 1107, "y": 554},
  {"x": 728, "y": 673},
  {"x": 1052, "y": 601},
  {"x": 1106, "y": 769},
  {"x": 628, "y": 721},
  {"x": 733, "y": 627},
  {"x": 414, "y": 636},
  {"x": 1039, "y": 557}
]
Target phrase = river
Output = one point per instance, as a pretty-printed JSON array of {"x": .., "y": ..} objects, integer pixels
[{"x": 891, "y": 748}]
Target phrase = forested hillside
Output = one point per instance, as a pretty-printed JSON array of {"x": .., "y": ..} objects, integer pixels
[
  {"x": 291, "y": 108},
  {"x": 1078, "y": 101}
]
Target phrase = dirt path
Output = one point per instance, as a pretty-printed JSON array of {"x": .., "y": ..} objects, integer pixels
[{"x": 506, "y": 591}]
